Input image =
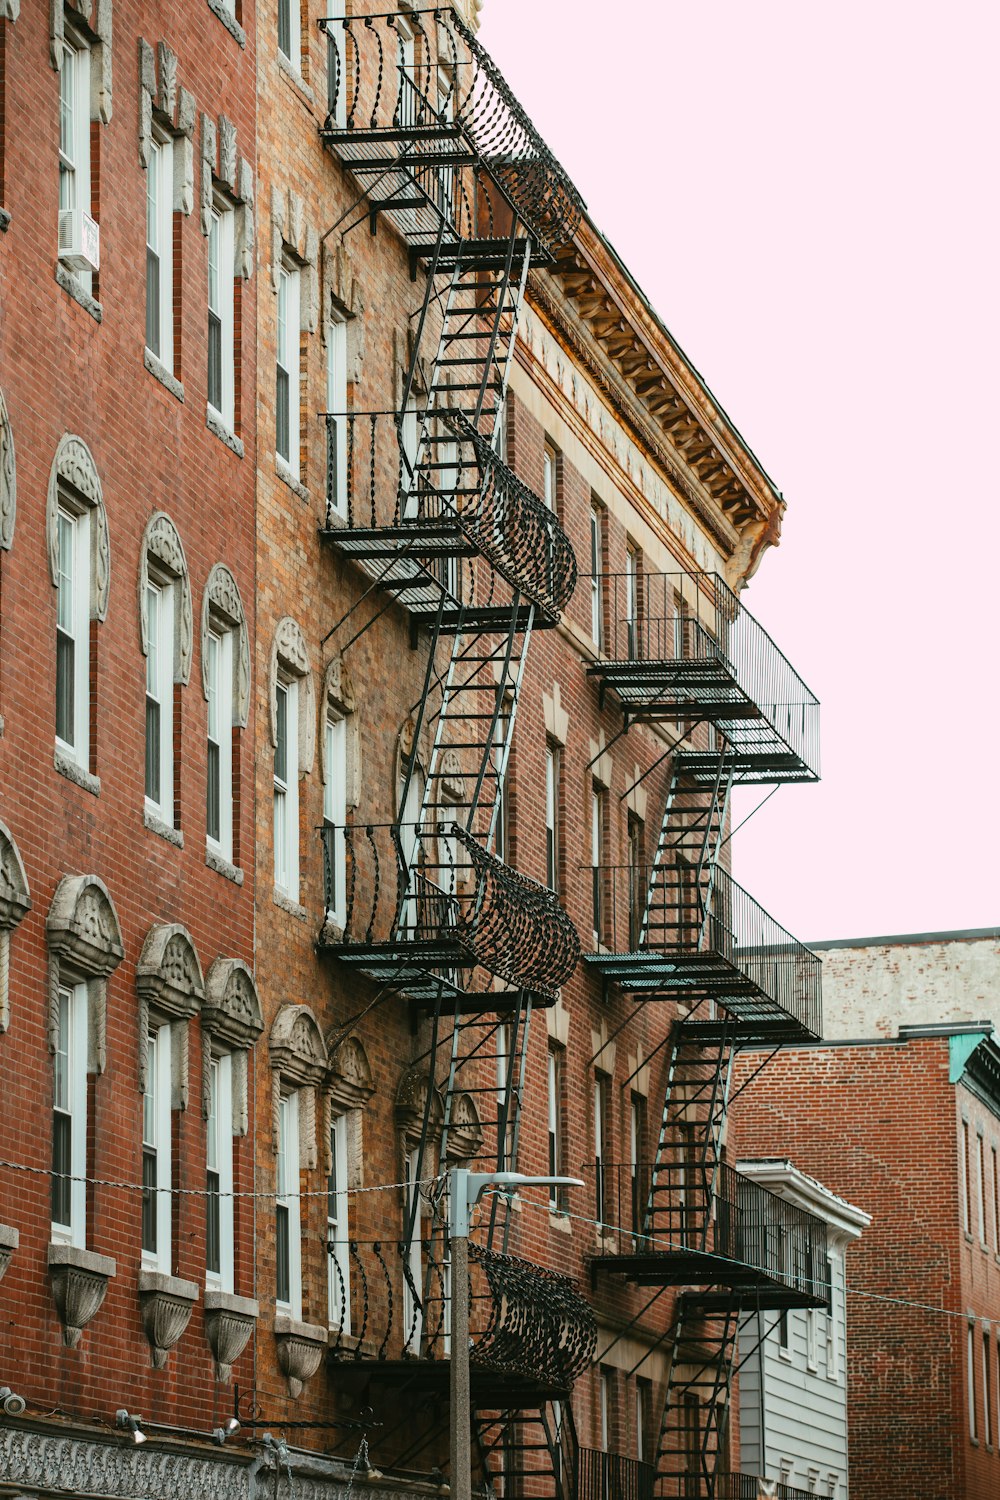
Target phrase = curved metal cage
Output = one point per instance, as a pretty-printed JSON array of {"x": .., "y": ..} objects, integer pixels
[{"x": 540, "y": 1321}]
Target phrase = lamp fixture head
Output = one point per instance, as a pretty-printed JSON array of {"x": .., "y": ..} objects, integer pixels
[{"x": 130, "y": 1424}]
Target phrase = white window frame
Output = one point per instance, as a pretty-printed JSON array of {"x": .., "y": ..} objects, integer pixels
[
  {"x": 292, "y": 52},
  {"x": 596, "y": 575},
  {"x": 221, "y": 306},
  {"x": 631, "y": 600},
  {"x": 288, "y": 362},
  {"x": 286, "y": 789},
  {"x": 550, "y": 456},
  {"x": 604, "y": 1407},
  {"x": 336, "y": 405},
  {"x": 338, "y": 1230},
  {"x": 287, "y": 1200},
  {"x": 73, "y": 622},
  {"x": 971, "y": 1377},
  {"x": 156, "y": 1137},
  {"x": 597, "y": 858},
  {"x": 832, "y": 1327},
  {"x": 984, "y": 1341},
  {"x": 219, "y": 1177},
  {"x": 161, "y": 604},
  {"x": 501, "y": 828},
  {"x": 69, "y": 1099},
  {"x": 410, "y": 444},
  {"x": 74, "y": 135},
  {"x": 812, "y": 1339},
  {"x": 335, "y": 10},
  {"x": 552, "y": 816},
  {"x": 554, "y": 1067},
  {"x": 220, "y": 646},
  {"x": 602, "y": 1088},
  {"x": 160, "y": 246},
  {"x": 335, "y": 812},
  {"x": 414, "y": 1251}
]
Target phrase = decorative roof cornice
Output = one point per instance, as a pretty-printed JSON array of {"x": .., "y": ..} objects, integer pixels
[
  {"x": 982, "y": 1073},
  {"x": 594, "y": 306}
]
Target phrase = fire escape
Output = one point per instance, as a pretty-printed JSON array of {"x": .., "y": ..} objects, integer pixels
[
  {"x": 425, "y": 904},
  {"x": 685, "y": 655}
]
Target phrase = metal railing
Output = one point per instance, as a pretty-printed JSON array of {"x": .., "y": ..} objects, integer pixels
[
  {"x": 713, "y": 655},
  {"x": 393, "y": 885},
  {"x": 445, "y": 480},
  {"x": 749, "y": 1487},
  {"x": 686, "y": 1204},
  {"x": 612, "y": 1476},
  {"x": 703, "y": 921},
  {"x": 422, "y": 81},
  {"x": 525, "y": 1321}
]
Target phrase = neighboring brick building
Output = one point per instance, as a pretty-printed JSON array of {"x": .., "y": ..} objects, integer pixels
[
  {"x": 127, "y": 1000},
  {"x": 908, "y": 1128}
]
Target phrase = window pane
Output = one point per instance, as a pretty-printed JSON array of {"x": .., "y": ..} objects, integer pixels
[
  {"x": 281, "y": 734},
  {"x": 152, "y": 750}
]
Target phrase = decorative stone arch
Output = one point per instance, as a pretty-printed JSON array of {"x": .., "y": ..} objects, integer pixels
[
  {"x": 231, "y": 1021},
  {"x": 298, "y": 1060},
  {"x": 15, "y": 901},
  {"x": 8, "y": 469},
  {"x": 169, "y": 983},
  {"x": 411, "y": 1105},
  {"x": 465, "y": 1130},
  {"x": 452, "y": 779},
  {"x": 85, "y": 943},
  {"x": 74, "y": 476},
  {"x": 94, "y": 17},
  {"x": 290, "y": 654},
  {"x": 339, "y": 695},
  {"x": 349, "y": 1087},
  {"x": 162, "y": 545},
  {"x": 404, "y": 751},
  {"x": 223, "y": 605}
]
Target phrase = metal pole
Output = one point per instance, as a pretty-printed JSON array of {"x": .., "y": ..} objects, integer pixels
[{"x": 461, "y": 1409}]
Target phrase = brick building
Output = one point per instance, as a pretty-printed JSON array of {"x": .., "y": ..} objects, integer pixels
[
  {"x": 465, "y": 894},
  {"x": 908, "y": 1128}
]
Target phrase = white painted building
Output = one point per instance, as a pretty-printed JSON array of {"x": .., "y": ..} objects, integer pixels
[{"x": 793, "y": 1382}]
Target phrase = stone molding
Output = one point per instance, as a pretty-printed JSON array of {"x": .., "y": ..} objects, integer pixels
[
  {"x": 8, "y": 472},
  {"x": 15, "y": 901},
  {"x": 465, "y": 1131},
  {"x": 222, "y": 601},
  {"x": 162, "y": 543},
  {"x": 10, "y": 1238},
  {"x": 175, "y": 111},
  {"x": 220, "y": 166},
  {"x": 230, "y": 1016},
  {"x": 84, "y": 940},
  {"x": 411, "y": 1103},
  {"x": 94, "y": 18},
  {"x": 298, "y": 1063},
  {"x": 57, "y": 1462},
  {"x": 166, "y": 1303},
  {"x": 289, "y": 653},
  {"x": 79, "y": 1282},
  {"x": 290, "y": 233},
  {"x": 10, "y": 10},
  {"x": 301, "y": 1347},
  {"x": 229, "y": 1322},
  {"x": 339, "y": 695},
  {"x": 350, "y": 1082},
  {"x": 169, "y": 983},
  {"x": 73, "y": 467}
]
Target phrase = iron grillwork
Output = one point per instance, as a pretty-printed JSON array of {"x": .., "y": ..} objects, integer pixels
[
  {"x": 396, "y": 920},
  {"x": 748, "y": 1487},
  {"x": 681, "y": 647},
  {"x": 684, "y": 1220},
  {"x": 612, "y": 1476}
]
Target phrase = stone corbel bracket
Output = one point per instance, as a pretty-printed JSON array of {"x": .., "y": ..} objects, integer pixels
[
  {"x": 166, "y": 1303},
  {"x": 301, "y": 1347},
  {"x": 229, "y": 1322},
  {"x": 79, "y": 1280},
  {"x": 9, "y": 1240}
]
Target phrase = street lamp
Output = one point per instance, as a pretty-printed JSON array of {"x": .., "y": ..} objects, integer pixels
[{"x": 465, "y": 1191}]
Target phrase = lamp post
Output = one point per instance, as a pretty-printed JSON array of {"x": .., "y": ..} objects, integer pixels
[{"x": 465, "y": 1191}]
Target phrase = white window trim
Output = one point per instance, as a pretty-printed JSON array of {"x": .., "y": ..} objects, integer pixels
[
  {"x": 160, "y": 687},
  {"x": 76, "y": 627},
  {"x": 335, "y": 810},
  {"x": 412, "y": 1316},
  {"x": 338, "y": 1231},
  {"x": 335, "y": 10},
  {"x": 287, "y": 1196},
  {"x": 159, "y": 1083},
  {"x": 76, "y": 57},
  {"x": 223, "y": 227},
  {"x": 294, "y": 53},
  {"x": 286, "y": 795},
  {"x": 971, "y": 1378},
  {"x": 336, "y": 405},
  {"x": 596, "y": 577},
  {"x": 597, "y": 855},
  {"x": 552, "y": 816},
  {"x": 549, "y": 475},
  {"x": 221, "y": 1117},
  {"x": 159, "y": 197},
  {"x": 220, "y": 708},
  {"x": 832, "y": 1327},
  {"x": 556, "y": 1145},
  {"x": 75, "y": 995},
  {"x": 288, "y": 363},
  {"x": 812, "y": 1339}
]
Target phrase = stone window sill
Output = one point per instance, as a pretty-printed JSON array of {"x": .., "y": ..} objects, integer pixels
[
  {"x": 286, "y": 476},
  {"x": 295, "y": 78},
  {"x": 74, "y": 286},
  {"x": 229, "y": 21},
  {"x": 222, "y": 865},
  {"x": 560, "y": 1221},
  {"x": 73, "y": 771},
  {"x": 293, "y": 908},
  {"x": 158, "y": 369},
  {"x": 155, "y": 824},
  {"x": 226, "y": 434}
]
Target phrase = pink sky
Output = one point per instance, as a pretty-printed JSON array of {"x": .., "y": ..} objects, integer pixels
[{"x": 807, "y": 194}]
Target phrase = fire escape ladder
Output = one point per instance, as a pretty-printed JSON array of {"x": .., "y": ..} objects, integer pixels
[
  {"x": 693, "y": 1431},
  {"x": 682, "y": 873},
  {"x": 528, "y": 1450}
]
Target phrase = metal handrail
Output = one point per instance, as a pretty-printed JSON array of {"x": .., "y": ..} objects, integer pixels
[{"x": 612, "y": 1476}]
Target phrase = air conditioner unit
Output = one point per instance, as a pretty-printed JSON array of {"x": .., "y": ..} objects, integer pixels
[{"x": 79, "y": 240}]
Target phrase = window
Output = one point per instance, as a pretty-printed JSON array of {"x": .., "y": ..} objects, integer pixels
[
  {"x": 832, "y": 1327},
  {"x": 812, "y": 1340},
  {"x": 784, "y": 1322},
  {"x": 337, "y": 1231},
  {"x": 160, "y": 251},
  {"x": 69, "y": 1118},
  {"x": 636, "y": 882},
  {"x": 219, "y": 792},
  {"x": 552, "y": 816},
  {"x": 502, "y": 759},
  {"x": 288, "y": 1242},
  {"x": 287, "y": 393},
  {"x": 335, "y": 818},
  {"x": 286, "y": 788},
  {"x": 409, "y": 97},
  {"x": 550, "y": 471},
  {"x": 555, "y": 1113},
  {"x": 971, "y": 1378},
  {"x": 605, "y": 1406},
  {"x": 596, "y": 576},
  {"x": 987, "y": 1391},
  {"x": 221, "y": 356},
  {"x": 632, "y": 569},
  {"x": 219, "y": 1174},
  {"x": 597, "y": 857},
  {"x": 637, "y": 1148},
  {"x": 336, "y": 405},
  {"x": 289, "y": 31},
  {"x": 996, "y": 1204},
  {"x": 980, "y": 1189},
  {"x": 73, "y": 634},
  {"x": 160, "y": 700},
  {"x": 336, "y": 86},
  {"x": 156, "y": 1153},
  {"x": 644, "y": 1448},
  {"x": 966, "y": 1198},
  {"x": 602, "y": 1133},
  {"x": 74, "y": 140},
  {"x": 412, "y": 1304}
]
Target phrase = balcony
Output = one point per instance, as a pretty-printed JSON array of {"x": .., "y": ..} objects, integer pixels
[
  {"x": 422, "y": 907},
  {"x": 686, "y": 1222},
  {"x": 668, "y": 934},
  {"x": 681, "y": 649},
  {"x": 423, "y": 118},
  {"x": 747, "y": 1487},
  {"x": 410, "y": 506},
  {"x": 611, "y": 1476}
]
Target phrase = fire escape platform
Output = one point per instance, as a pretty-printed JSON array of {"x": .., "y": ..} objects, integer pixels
[
  {"x": 657, "y": 691},
  {"x": 491, "y": 1387},
  {"x": 409, "y": 969},
  {"x": 684, "y": 1267}
]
